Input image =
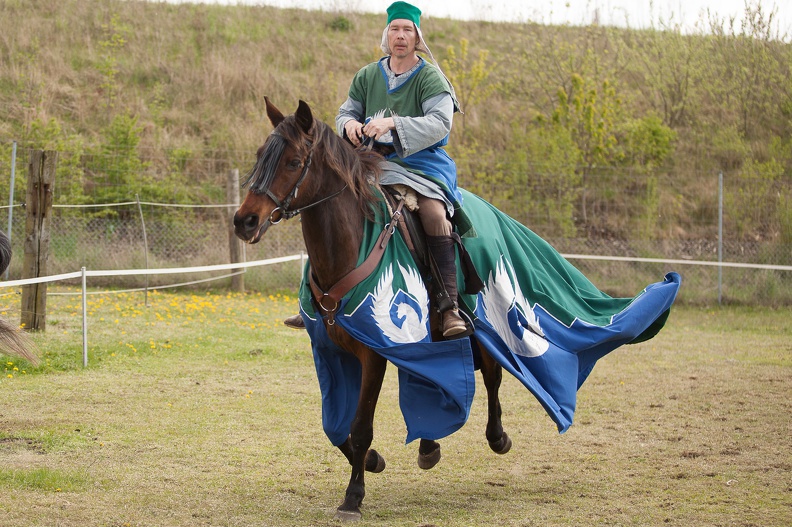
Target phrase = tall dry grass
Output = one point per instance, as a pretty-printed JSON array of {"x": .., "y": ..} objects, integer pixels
[{"x": 194, "y": 76}]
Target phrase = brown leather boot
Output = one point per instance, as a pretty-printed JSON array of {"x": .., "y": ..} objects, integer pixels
[
  {"x": 294, "y": 322},
  {"x": 453, "y": 324},
  {"x": 443, "y": 251}
]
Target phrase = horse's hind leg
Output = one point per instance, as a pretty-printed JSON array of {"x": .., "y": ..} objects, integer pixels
[
  {"x": 428, "y": 454},
  {"x": 362, "y": 432},
  {"x": 492, "y": 372}
]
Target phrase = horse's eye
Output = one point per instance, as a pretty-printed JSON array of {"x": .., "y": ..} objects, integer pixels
[{"x": 294, "y": 163}]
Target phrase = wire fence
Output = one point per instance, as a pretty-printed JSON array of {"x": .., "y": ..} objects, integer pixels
[{"x": 648, "y": 224}]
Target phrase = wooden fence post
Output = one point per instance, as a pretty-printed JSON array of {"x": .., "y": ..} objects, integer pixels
[
  {"x": 235, "y": 247},
  {"x": 38, "y": 202}
]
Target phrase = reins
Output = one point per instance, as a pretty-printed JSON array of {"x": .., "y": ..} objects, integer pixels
[{"x": 356, "y": 275}]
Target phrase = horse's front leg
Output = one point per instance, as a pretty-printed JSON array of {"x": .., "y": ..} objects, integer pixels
[
  {"x": 362, "y": 433},
  {"x": 492, "y": 372},
  {"x": 374, "y": 461}
]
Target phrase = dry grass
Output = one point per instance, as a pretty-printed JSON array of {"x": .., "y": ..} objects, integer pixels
[
  {"x": 203, "y": 410},
  {"x": 194, "y": 77}
]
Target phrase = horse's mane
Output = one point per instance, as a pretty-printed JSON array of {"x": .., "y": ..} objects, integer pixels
[{"x": 359, "y": 170}]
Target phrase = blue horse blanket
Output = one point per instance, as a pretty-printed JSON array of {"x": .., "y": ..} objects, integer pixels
[{"x": 538, "y": 316}]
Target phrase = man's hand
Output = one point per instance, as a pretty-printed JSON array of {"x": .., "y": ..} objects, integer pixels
[
  {"x": 376, "y": 128},
  {"x": 354, "y": 131}
]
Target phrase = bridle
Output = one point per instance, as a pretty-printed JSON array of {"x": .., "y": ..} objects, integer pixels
[{"x": 282, "y": 211}]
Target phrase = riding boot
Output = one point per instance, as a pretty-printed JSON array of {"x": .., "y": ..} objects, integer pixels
[
  {"x": 295, "y": 322},
  {"x": 443, "y": 252}
]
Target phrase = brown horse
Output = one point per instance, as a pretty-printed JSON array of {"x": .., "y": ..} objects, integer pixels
[
  {"x": 305, "y": 168},
  {"x": 12, "y": 341}
]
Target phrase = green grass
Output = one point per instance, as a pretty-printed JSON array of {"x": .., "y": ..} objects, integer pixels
[
  {"x": 203, "y": 410},
  {"x": 43, "y": 479}
]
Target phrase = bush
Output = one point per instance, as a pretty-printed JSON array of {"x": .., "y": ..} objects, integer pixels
[{"x": 340, "y": 23}]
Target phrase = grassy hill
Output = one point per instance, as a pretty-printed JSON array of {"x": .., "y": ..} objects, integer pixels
[{"x": 173, "y": 94}]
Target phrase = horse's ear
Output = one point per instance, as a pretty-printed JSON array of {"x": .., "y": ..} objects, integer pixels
[
  {"x": 275, "y": 115},
  {"x": 304, "y": 117}
]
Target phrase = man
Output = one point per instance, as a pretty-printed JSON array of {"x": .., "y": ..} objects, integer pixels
[{"x": 406, "y": 105}]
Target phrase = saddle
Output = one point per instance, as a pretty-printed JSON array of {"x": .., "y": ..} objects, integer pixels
[
  {"x": 411, "y": 229},
  {"x": 414, "y": 237}
]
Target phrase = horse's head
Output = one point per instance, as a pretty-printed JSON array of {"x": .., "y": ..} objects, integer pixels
[
  {"x": 279, "y": 175},
  {"x": 302, "y": 164}
]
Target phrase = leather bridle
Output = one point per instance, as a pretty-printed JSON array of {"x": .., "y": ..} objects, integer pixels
[{"x": 282, "y": 211}]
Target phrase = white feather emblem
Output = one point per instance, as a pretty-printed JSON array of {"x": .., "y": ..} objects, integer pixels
[
  {"x": 503, "y": 301},
  {"x": 414, "y": 327}
]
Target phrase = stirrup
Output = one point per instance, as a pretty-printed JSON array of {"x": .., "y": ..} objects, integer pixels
[{"x": 294, "y": 322}]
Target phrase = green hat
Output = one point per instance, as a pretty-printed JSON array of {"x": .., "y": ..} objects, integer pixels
[{"x": 405, "y": 11}]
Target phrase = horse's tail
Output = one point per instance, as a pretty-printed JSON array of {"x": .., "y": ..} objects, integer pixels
[
  {"x": 12, "y": 340},
  {"x": 5, "y": 251}
]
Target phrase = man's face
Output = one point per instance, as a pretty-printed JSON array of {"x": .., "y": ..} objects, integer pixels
[{"x": 402, "y": 38}]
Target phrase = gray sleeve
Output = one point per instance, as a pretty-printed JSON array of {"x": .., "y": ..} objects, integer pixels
[
  {"x": 351, "y": 110},
  {"x": 414, "y": 134}
]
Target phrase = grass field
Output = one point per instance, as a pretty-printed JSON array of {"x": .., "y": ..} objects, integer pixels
[{"x": 201, "y": 409}]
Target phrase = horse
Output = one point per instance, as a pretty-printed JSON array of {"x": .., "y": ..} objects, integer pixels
[
  {"x": 305, "y": 168},
  {"x": 12, "y": 341}
]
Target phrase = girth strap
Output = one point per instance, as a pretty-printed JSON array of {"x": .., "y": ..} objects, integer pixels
[{"x": 356, "y": 275}]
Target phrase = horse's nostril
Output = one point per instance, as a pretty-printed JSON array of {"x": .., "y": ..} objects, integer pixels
[{"x": 251, "y": 222}]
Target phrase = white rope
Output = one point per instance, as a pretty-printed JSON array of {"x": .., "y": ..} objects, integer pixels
[
  {"x": 244, "y": 265},
  {"x": 133, "y": 272},
  {"x": 128, "y": 203},
  {"x": 683, "y": 262},
  {"x": 150, "y": 288}
]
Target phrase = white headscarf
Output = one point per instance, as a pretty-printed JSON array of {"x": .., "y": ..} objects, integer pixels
[
  {"x": 419, "y": 46},
  {"x": 423, "y": 47}
]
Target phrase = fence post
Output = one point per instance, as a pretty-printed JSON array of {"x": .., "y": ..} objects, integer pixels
[
  {"x": 145, "y": 244},
  {"x": 235, "y": 248},
  {"x": 40, "y": 187},
  {"x": 11, "y": 199},
  {"x": 720, "y": 237}
]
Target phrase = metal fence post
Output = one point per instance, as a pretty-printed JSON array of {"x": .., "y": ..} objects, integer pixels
[
  {"x": 145, "y": 244},
  {"x": 11, "y": 198},
  {"x": 84, "y": 319},
  {"x": 720, "y": 237}
]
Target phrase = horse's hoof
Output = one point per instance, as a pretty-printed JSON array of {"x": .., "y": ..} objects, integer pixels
[
  {"x": 348, "y": 516},
  {"x": 374, "y": 462},
  {"x": 427, "y": 461},
  {"x": 502, "y": 445}
]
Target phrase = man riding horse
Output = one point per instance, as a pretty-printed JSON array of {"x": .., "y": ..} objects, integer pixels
[{"x": 405, "y": 105}]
